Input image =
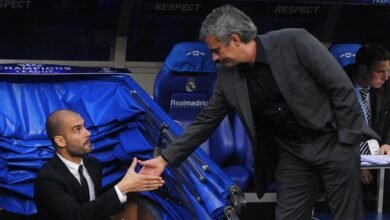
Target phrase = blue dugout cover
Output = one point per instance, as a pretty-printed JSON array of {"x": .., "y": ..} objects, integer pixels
[{"x": 124, "y": 123}]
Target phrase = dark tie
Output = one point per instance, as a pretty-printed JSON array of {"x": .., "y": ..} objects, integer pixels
[
  {"x": 84, "y": 185},
  {"x": 364, "y": 149}
]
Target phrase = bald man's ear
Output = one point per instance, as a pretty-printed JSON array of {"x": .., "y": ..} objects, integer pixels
[{"x": 60, "y": 141}]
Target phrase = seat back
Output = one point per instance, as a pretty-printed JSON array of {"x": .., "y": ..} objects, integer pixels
[
  {"x": 183, "y": 87},
  {"x": 345, "y": 53}
]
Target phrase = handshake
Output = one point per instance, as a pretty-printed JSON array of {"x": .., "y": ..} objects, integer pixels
[{"x": 147, "y": 179}]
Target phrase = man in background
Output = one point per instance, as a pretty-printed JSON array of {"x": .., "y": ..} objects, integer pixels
[{"x": 369, "y": 75}]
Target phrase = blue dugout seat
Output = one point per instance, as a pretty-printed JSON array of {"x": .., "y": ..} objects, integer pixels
[
  {"x": 183, "y": 88},
  {"x": 345, "y": 53},
  {"x": 243, "y": 147}
]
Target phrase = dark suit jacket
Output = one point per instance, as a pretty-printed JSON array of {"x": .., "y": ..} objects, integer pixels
[
  {"x": 380, "y": 113},
  {"x": 315, "y": 87},
  {"x": 57, "y": 193},
  {"x": 379, "y": 110}
]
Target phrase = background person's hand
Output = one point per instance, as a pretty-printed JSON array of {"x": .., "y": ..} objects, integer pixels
[
  {"x": 137, "y": 182},
  {"x": 385, "y": 149}
]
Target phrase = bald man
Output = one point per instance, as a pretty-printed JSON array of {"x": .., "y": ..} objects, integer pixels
[{"x": 69, "y": 185}]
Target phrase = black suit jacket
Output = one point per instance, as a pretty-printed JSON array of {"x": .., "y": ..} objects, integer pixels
[
  {"x": 380, "y": 113},
  {"x": 379, "y": 109},
  {"x": 314, "y": 85},
  {"x": 57, "y": 193}
]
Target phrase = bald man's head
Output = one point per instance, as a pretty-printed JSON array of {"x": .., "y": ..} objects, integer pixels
[{"x": 55, "y": 122}]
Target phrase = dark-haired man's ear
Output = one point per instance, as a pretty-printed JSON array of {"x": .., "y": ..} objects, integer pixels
[
  {"x": 235, "y": 38},
  {"x": 364, "y": 77},
  {"x": 362, "y": 69},
  {"x": 60, "y": 141}
]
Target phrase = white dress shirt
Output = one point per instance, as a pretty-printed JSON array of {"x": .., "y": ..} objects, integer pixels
[{"x": 74, "y": 167}]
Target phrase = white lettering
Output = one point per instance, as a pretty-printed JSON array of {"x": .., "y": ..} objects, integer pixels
[
  {"x": 347, "y": 55},
  {"x": 35, "y": 69},
  {"x": 189, "y": 104},
  {"x": 195, "y": 53},
  {"x": 179, "y": 7},
  {"x": 301, "y": 10},
  {"x": 15, "y": 3}
]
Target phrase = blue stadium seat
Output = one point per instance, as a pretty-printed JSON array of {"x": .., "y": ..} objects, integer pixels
[
  {"x": 344, "y": 53},
  {"x": 243, "y": 149},
  {"x": 184, "y": 84},
  {"x": 243, "y": 146},
  {"x": 183, "y": 88}
]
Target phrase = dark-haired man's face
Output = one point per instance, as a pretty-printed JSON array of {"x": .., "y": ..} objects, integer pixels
[
  {"x": 379, "y": 73},
  {"x": 228, "y": 55}
]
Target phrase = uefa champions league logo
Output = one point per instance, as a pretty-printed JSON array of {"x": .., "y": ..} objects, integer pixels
[{"x": 28, "y": 68}]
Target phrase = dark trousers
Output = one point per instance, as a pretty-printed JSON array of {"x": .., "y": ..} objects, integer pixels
[{"x": 305, "y": 161}]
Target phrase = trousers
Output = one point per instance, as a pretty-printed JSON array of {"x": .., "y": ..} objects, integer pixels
[{"x": 308, "y": 160}]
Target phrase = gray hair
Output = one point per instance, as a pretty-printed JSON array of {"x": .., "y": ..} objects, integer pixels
[{"x": 226, "y": 20}]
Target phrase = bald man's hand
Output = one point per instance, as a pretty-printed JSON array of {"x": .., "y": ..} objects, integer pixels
[{"x": 137, "y": 182}]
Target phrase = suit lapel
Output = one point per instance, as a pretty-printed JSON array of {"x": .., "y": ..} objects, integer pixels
[
  {"x": 241, "y": 88},
  {"x": 61, "y": 167},
  {"x": 242, "y": 97},
  {"x": 275, "y": 61},
  {"x": 376, "y": 105}
]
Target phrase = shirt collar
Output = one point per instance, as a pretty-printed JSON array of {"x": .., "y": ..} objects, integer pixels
[
  {"x": 260, "y": 53},
  {"x": 247, "y": 69},
  {"x": 73, "y": 167},
  {"x": 357, "y": 86}
]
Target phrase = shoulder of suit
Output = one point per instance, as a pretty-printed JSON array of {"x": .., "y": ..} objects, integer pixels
[
  {"x": 223, "y": 69},
  {"x": 50, "y": 168},
  {"x": 55, "y": 165},
  {"x": 286, "y": 31},
  {"x": 284, "y": 37}
]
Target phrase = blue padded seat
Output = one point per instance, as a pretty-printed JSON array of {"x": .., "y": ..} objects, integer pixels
[
  {"x": 345, "y": 53},
  {"x": 243, "y": 144},
  {"x": 183, "y": 87},
  {"x": 243, "y": 149}
]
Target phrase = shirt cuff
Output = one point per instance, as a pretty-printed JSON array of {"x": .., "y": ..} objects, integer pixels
[{"x": 122, "y": 197}]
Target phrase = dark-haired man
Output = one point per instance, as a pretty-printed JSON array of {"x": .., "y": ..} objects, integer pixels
[
  {"x": 297, "y": 105},
  {"x": 368, "y": 74}
]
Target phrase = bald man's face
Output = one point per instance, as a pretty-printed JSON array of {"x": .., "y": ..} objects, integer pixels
[{"x": 76, "y": 136}]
